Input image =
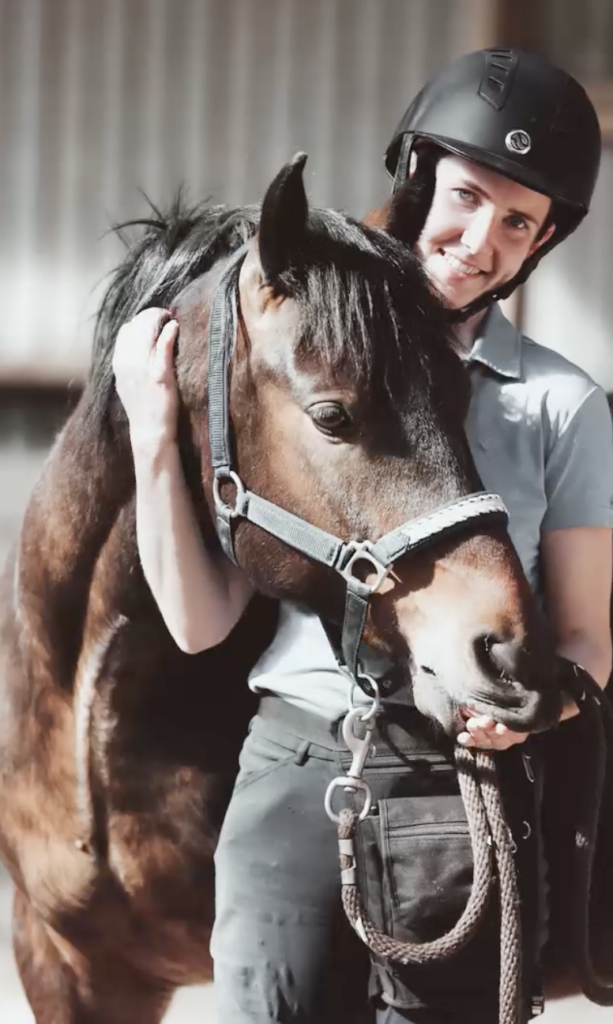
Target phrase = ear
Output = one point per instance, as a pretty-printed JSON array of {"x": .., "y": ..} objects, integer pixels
[
  {"x": 541, "y": 241},
  {"x": 283, "y": 222}
]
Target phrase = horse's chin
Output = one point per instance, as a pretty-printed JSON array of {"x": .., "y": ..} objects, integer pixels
[
  {"x": 436, "y": 704},
  {"x": 535, "y": 713}
]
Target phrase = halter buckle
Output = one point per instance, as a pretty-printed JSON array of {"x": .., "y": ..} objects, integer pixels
[
  {"x": 228, "y": 475},
  {"x": 362, "y": 551}
]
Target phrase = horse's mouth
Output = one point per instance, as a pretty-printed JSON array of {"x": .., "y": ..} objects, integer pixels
[
  {"x": 501, "y": 700},
  {"x": 509, "y": 703}
]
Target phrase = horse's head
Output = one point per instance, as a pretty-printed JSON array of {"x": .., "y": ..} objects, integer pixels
[{"x": 347, "y": 405}]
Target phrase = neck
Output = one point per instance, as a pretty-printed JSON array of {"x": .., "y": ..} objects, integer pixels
[{"x": 466, "y": 332}]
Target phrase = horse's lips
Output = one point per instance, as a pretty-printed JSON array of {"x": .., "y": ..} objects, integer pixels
[{"x": 529, "y": 712}]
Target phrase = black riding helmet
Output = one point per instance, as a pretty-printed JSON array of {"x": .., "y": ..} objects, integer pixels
[{"x": 517, "y": 114}]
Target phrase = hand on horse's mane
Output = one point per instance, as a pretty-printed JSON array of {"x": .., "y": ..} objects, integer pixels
[{"x": 145, "y": 380}]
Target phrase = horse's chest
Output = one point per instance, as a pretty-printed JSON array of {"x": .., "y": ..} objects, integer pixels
[{"x": 167, "y": 762}]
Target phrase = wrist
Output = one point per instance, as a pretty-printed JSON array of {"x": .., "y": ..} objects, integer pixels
[
  {"x": 569, "y": 710},
  {"x": 153, "y": 453}
]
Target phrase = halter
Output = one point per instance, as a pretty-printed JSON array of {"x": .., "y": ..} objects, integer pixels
[{"x": 343, "y": 556}]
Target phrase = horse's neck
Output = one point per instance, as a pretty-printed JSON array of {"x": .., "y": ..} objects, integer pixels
[{"x": 86, "y": 482}]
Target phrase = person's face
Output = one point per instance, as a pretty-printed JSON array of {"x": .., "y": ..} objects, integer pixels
[{"x": 480, "y": 229}]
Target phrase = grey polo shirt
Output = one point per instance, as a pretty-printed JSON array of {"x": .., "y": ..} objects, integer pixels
[{"x": 540, "y": 433}]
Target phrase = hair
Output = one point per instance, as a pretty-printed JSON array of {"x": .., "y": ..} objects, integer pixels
[{"x": 365, "y": 299}]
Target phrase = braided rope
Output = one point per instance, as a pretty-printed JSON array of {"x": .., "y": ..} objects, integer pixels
[
  {"x": 491, "y": 841},
  {"x": 510, "y": 982}
]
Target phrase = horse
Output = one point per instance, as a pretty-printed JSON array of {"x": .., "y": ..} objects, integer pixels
[{"x": 118, "y": 751}]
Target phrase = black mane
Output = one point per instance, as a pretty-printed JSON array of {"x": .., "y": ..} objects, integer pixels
[
  {"x": 366, "y": 301},
  {"x": 174, "y": 249}
]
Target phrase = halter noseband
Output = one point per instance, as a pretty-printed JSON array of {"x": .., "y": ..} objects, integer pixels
[{"x": 315, "y": 543}]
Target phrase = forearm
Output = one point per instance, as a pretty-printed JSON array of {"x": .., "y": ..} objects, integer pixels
[
  {"x": 199, "y": 595},
  {"x": 593, "y": 654}
]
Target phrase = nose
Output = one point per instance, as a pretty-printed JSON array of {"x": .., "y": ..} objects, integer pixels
[
  {"x": 478, "y": 235},
  {"x": 499, "y": 657}
]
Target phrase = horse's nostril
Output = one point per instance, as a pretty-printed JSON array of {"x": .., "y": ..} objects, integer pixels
[
  {"x": 497, "y": 656},
  {"x": 427, "y": 670}
]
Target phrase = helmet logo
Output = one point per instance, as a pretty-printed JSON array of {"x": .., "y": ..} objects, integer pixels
[{"x": 518, "y": 141}]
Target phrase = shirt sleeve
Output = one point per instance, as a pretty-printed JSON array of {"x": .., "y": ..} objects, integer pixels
[{"x": 579, "y": 467}]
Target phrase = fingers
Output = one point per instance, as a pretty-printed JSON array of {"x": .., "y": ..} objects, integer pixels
[
  {"x": 163, "y": 354},
  {"x": 151, "y": 320},
  {"x": 144, "y": 328},
  {"x": 484, "y": 733},
  {"x": 146, "y": 341}
]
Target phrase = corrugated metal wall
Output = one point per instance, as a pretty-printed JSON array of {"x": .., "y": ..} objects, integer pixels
[
  {"x": 99, "y": 98},
  {"x": 568, "y": 303},
  {"x": 578, "y": 36}
]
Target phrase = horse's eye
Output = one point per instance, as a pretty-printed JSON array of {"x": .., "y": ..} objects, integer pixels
[{"x": 330, "y": 417}]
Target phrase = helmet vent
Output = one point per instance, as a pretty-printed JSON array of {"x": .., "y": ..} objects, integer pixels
[{"x": 498, "y": 77}]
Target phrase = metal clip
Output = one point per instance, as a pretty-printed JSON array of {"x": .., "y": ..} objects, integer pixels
[
  {"x": 360, "y": 748},
  {"x": 366, "y": 712},
  {"x": 356, "y": 784}
]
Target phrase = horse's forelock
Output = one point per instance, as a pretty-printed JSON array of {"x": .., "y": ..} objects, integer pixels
[{"x": 367, "y": 303}]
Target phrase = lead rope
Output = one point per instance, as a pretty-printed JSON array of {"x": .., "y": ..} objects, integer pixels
[{"x": 492, "y": 853}]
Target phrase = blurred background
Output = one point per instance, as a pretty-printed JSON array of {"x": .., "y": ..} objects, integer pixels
[{"x": 105, "y": 103}]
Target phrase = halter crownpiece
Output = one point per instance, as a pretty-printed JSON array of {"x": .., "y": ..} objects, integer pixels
[{"x": 345, "y": 557}]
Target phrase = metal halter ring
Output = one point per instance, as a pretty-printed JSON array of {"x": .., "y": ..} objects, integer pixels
[
  {"x": 366, "y": 713},
  {"x": 361, "y": 551},
  {"x": 222, "y": 476},
  {"x": 348, "y": 784}
]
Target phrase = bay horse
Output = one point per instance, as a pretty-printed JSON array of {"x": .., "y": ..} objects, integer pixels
[{"x": 117, "y": 750}]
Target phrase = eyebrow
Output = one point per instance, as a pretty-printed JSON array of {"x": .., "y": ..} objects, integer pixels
[{"x": 474, "y": 187}]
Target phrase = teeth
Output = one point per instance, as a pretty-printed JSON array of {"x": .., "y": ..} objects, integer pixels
[{"x": 458, "y": 264}]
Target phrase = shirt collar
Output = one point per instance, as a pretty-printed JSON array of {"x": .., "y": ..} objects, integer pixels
[{"x": 499, "y": 345}]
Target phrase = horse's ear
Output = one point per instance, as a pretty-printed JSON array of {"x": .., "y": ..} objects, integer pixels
[{"x": 283, "y": 222}]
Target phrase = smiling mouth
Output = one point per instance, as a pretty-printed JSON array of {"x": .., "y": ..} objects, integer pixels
[{"x": 459, "y": 266}]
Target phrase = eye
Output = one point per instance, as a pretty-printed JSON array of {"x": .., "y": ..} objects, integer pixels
[
  {"x": 517, "y": 222},
  {"x": 330, "y": 417},
  {"x": 465, "y": 195}
]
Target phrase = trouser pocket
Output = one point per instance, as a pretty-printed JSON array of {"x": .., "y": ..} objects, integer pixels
[
  {"x": 426, "y": 863},
  {"x": 261, "y": 756},
  {"x": 416, "y": 867}
]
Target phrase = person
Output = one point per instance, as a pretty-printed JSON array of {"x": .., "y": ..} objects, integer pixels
[{"x": 499, "y": 156}]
